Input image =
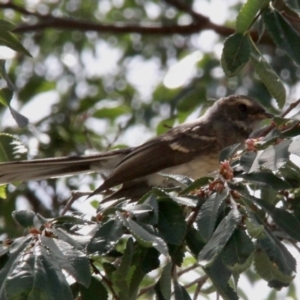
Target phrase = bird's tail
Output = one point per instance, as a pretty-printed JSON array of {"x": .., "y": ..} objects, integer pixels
[{"x": 37, "y": 169}]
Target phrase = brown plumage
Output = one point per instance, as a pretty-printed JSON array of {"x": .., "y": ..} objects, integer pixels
[{"x": 189, "y": 149}]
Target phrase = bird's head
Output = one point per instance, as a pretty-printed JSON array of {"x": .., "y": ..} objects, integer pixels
[{"x": 241, "y": 111}]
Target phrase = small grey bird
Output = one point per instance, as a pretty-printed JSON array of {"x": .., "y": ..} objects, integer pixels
[{"x": 190, "y": 149}]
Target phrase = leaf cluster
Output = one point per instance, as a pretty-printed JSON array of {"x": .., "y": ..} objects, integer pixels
[{"x": 221, "y": 222}]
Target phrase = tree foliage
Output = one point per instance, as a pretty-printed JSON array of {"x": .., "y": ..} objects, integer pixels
[{"x": 198, "y": 238}]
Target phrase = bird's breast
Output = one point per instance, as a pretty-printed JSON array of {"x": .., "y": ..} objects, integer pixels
[{"x": 194, "y": 169}]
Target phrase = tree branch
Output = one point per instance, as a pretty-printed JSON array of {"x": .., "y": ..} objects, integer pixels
[
  {"x": 20, "y": 9},
  {"x": 200, "y": 23}
]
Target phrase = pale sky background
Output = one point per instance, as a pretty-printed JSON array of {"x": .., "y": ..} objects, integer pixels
[{"x": 179, "y": 74}]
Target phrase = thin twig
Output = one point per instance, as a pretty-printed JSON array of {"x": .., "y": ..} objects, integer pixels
[
  {"x": 197, "y": 291},
  {"x": 117, "y": 135},
  {"x": 193, "y": 217},
  {"x": 174, "y": 272},
  {"x": 288, "y": 110},
  {"x": 201, "y": 280},
  {"x": 146, "y": 289},
  {"x": 74, "y": 196},
  {"x": 194, "y": 266}
]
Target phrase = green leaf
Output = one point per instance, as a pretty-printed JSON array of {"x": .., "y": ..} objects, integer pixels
[
  {"x": 21, "y": 120},
  {"x": 6, "y": 26},
  {"x": 266, "y": 178},
  {"x": 277, "y": 253},
  {"x": 177, "y": 254},
  {"x": 163, "y": 286},
  {"x": 79, "y": 242},
  {"x": 180, "y": 292},
  {"x": 272, "y": 157},
  {"x": 248, "y": 161},
  {"x": 182, "y": 180},
  {"x": 106, "y": 236},
  {"x": 143, "y": 236},
  {"x": 51, "y": 279},
  {"x": 238, "y": 248},
  {"x": 282, "y": 218},
  {"x": 268, "y": 270},
  {"x": 198, "y": 183},
  {"x": 284, "y": 35},
  {"x": 37, "y": 277},
  {"x": 66, "y": 257},
  {"x": 15, "y": 253},
  {"x": 69, "y": 219},
  {"x": 9, "y": 40},
  {"x": 151, "y": 260},
  {"x": 291, "y": 132},
  {"x": 142, "y": 212},
  {"x": 6, "y": 96},
  {"x": 254, "y": 229},
  {"x": 36, "y": 86},
  {"x": 123, "y": 275},
  {"x": 111, "y": 112},
  {"x": 2, "y": 192},
  {"x": 194, "y": 241},
  {"x": 279, "y": 121},
  {"x": 11, "y": 148},
  {"x": 219, "y": 238},
  {"x": 109, "y": 269},
  {"x": 291, "y": 173},
  {"x": 171, "y": 222},
  {"x": 139, "y": 256},
  {"x": 96, "y": 291},
  {"x": 295, "y": 146},
  {"x": 220, "y": 275},
  {"x": 237, "y": 251},
  {"x": 247, "y": 14},
  {"x": 24, "y": 217},
  {"x": 151, "y": 200},
  {"x": 24, "y": 284},
  {"x": 228, "y": 152},
  {"x": 206, "y": 220},
  {"x": 269, "y": 195},
  {"x": 268, "y": 76},
  {"x": 187, "y": 201},
  {"x": 236, "y": 54},
  {"x": 5, "y": 76}
]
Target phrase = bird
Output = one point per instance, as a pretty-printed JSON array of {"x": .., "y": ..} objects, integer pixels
[{"x": 190, "y": 149}]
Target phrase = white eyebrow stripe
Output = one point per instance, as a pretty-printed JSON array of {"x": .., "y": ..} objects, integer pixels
[{"x": 241, "y": 101}]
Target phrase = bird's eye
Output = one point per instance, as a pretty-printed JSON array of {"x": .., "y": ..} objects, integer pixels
[{"x": 243, "y": 107}]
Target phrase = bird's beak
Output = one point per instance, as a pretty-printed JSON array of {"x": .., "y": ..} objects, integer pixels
[{"x": 262, "y": 115}]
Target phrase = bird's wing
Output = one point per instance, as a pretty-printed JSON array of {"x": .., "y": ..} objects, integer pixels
[
  {"x": 178, "y": 146},
  {"x": 54, "y": 167}
]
